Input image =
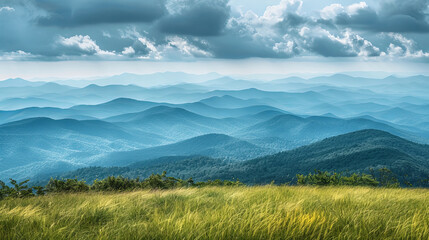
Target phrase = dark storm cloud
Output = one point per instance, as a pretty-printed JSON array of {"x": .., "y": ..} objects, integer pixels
[
  {"x": 68, "y": 13},
  {"x": 197, "y": 18},
  {"x": 349, "y": 46},
  {"x": 366, "y": 16},
  {"x": 183, "y": 29},
  {"x": 328, "y": 48},
  {"x": 393, "y": 16},
  {"x": 237, "y": 47},
  {"x": 292, "y": 20}
]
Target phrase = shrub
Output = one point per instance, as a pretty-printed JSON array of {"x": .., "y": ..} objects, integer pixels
[
  {"x": 156, "y": 181},
  {"x": 18, "y": 189},
  {"x": 219, "y": 182},
  {"x": 116, "y": 184},
  {"x": 66, "y": 185},
  {"x": 320, "y": 178},
  {"x": 386, "y": 177}
]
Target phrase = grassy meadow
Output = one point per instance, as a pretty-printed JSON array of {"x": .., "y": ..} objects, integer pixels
[{"x": 266, "y": 212}]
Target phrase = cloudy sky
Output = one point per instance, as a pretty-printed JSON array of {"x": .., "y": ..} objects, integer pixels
[{"x": 175, "y": 33}]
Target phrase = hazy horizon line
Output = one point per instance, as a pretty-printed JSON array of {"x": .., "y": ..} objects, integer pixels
[{"x": 248, "y": 77}]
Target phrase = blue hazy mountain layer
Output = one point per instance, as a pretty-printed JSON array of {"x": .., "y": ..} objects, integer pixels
[
  {"x": 353, "y": 152},
  {"x": 51, "y": 127}
]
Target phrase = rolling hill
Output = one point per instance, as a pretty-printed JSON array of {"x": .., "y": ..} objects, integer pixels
[
  {"x": 20, "y": 103},
  {"x": 19, "y": 82},
  {"x": 220, "y": 119},
  {"x": 145, "y": 80},
  {"x": 20, "y": 91},
  {"x": 356, "y": 152},
  {"x": 197, "y": 167},
  {"x": 304, "y": 130},
  {"x": 353, "y": 152},
  {"x": 211, "y": 145},
  {"x": 174, "y": 123},
  {"x": 227, "y": 101},
  {"x": 36, "y": 145},
  {"x": 400, "y": 116},
  {"x": 37, "y": 112}
]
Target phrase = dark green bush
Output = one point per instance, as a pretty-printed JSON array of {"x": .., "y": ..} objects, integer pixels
[
  {"x": 66, "y": 185},
  {"x": 156, "y": 181},
  {"x": 116, "y": 184},
  {"x": 386, "y": 177},
  {"x": 320, "y": 178},
  {"x": 219, "y": 182},
  {"x": 383, "y": 177},
  {"x": 18, "y": 189}
]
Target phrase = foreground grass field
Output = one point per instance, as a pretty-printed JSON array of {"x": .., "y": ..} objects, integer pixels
[{"x": 267, "y": 212}]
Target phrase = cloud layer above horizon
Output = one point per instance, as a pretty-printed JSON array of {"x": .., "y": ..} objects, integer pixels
[{"x": 183, "y": 30}]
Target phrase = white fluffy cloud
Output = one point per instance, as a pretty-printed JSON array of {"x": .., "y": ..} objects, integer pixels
[
  {"x": 276, "y": 13},
  {"x": 186, "y": 48},
  {"x": 16, "y": 56},
  {"x": 153, "y": 52},
  {"x": 7, "y": 9},
  {"x": 333, "y": 10},
  {"x": 404, "y": 47},
  {"x": 354, "y": 8},
  {"x": 129, "y": 51},
  {"x": 264, "y": 26},
  {"x": 173, "y": 47},
  {"x": 181, "y": 30},
  {"x": 84, "y": 45},
  {"x": 284, "y": 47},
  {"x": 345, "y": 44},
  {"x": 288, "y": 46}
]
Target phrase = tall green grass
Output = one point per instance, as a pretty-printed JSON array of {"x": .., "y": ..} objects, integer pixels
[{"x": 268, "y": 212}]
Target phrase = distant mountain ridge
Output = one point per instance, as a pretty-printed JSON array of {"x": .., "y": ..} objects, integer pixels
[
  {"x": 53, "y": 127},
  {"x": 88, "y": 142},
  {"x": 38, "y": 145},
  {"x": 354, "y": 152},
  {"x": 19, "y": 82},
  {"x": 304, "y": 130},
  {"x": 211, "y": 145},
  {"x": 145, "y": 80}
]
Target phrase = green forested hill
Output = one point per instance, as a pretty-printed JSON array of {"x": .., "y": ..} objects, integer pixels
[
  {"x": 354, "y": 152},
  {"x": 212, "y": 145},
  {"x": 197, "y": 167}
]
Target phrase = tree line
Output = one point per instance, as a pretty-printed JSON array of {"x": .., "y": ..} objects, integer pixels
[
  {"x": 112, "y": 183},
  {"x": 382, "y": 177}
]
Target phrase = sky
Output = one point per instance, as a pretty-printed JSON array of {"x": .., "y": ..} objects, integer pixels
[{"x": 77, "y": 38}]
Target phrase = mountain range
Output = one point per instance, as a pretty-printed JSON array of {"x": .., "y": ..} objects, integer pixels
[
  {"x": 222, "y": 126},
  {"x": 352, "y": 152}
]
